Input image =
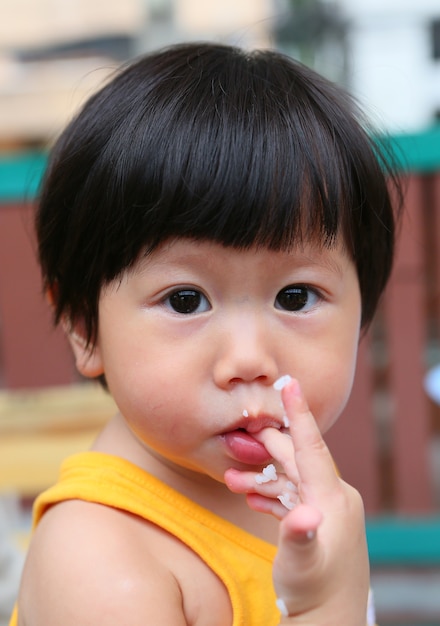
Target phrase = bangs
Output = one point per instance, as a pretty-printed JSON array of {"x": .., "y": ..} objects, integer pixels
[
  {"x": 243, "y": 185},
  {"x": 251, "y": 160}
]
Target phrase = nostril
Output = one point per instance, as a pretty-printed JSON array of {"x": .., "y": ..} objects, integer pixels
[
  {"x": 260, "y": 379},
  {"x": 237, "y": 366}
]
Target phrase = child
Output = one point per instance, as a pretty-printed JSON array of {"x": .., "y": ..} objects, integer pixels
[{"x": 211, "y": 222}]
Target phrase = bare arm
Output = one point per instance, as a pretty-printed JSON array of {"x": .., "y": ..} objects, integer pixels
[{"x": 87, "y": 570}]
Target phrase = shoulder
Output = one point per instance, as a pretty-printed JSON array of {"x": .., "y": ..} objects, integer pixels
[{"x": 89, "y": 564}]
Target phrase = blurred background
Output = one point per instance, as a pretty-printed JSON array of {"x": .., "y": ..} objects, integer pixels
[{"x": 53, "y": 55}]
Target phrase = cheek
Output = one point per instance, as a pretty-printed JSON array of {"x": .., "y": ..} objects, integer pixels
[
  {"x": 328, "y": 396},
  {"x": 331, "y": 409},
  {"x": 152, "y": 378},
  {"x": 156, "y": 405}
]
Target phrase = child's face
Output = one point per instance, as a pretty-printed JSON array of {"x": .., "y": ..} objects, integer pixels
[{"x": 193, "y": 338}]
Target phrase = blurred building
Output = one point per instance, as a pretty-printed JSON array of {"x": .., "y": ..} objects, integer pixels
[
  {"x": 248, "y": 23},
  {"x": 387, "y": 52},
  {"x": 55, "y": 57},
  {"x": 395, "y": 60},
  {"x": 64, "y": 50}
]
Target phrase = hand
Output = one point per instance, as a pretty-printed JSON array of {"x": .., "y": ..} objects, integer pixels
[{"x": 321, "y": 570}]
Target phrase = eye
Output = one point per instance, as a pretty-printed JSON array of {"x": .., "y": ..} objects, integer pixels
[
  {"x": 187, "y": 301},
  {"x": 296, "y": 298}
]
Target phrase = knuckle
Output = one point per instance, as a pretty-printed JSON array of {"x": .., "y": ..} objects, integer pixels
[{"x": 353, "y": 501}]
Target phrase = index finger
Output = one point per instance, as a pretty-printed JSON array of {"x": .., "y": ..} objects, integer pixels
[{"x": 314, "y": 462}]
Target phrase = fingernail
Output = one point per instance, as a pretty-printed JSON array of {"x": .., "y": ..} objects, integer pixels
[{"x": 296, "y": 389}]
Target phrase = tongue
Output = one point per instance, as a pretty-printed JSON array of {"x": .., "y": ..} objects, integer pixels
[{"x": 244, "y": 448}]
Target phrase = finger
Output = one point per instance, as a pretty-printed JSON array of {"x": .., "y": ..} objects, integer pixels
[
  {"x": 301, "y": 526},
  {"x": 247, "y": 482},
  {"x": 280, "y": 447},
  {"x": 277, "y": 487},
  {"x": 299, "y": 552},
  {"x": 314, "y": 462},
  {"x": 261, "y": 504}
]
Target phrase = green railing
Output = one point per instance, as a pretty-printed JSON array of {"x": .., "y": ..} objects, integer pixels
[
  {"x": 419, "y": 152},
  {"x": 20, "y": 173},
  {"x": 404, "y": 541}
]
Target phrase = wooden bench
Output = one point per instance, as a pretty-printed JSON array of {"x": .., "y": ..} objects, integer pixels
[{"x": 41, "y": 427}]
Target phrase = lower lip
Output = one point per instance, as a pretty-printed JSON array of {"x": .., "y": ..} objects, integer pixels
[{"x": 244, "y": 448}]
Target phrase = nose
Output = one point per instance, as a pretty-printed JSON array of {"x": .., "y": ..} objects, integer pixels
[{"x": 247, "y": 353}]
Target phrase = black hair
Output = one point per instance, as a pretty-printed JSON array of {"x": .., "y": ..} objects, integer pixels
[{"x": 211, "y": 142}]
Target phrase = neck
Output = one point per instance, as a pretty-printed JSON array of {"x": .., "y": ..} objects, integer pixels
[{"x": 119, "y": 440}]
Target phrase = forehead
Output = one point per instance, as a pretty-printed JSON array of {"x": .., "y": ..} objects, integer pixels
[{"x": 184, "y": 252}]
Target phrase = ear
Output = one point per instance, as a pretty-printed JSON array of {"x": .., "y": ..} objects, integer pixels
[{"x": 87, "y": 357}]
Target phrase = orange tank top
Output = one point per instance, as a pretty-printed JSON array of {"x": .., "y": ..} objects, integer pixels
[{"x": 241, "y": 561}]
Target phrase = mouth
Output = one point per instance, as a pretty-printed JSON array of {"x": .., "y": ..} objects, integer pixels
[
  {"x": 253, "y": 425},
  {"x": 241, "y": 444}
]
